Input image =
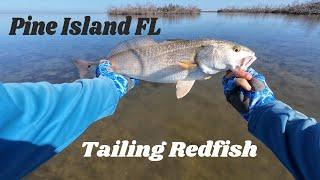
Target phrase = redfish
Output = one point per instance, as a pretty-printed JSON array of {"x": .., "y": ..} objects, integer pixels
[{"x": 174, "y": 61}]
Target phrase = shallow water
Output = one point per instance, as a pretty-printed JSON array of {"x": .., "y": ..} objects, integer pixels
[{"x": 288, "y": 51}]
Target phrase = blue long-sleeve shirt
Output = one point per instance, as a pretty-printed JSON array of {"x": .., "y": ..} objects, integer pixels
[
  {"x": 38, "y": 120},
  {"x": 293, "y": 137}
]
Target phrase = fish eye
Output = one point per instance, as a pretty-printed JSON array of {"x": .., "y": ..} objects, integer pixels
[{"x": 236, "y": 48}]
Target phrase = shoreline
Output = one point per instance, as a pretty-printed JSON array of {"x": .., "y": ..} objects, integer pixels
[
  {"x": 275, "y": 13},
  {"x": 151, "y": 9},
  {"x": 164, "y": 14},
  {"x": 309, "y": 8}
]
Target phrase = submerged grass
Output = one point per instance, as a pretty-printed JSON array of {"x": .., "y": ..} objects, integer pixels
[
  {"x": 309, "y": 8},
  {"x": 153, "y": 10}
]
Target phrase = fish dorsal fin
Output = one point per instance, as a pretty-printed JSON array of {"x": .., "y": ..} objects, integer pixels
[
  {"x": 169, "y": 41},
  {"x": 174, "y": 40},
  {"x": 133, "y": 44},
  {"x": 183, "y": 88}
]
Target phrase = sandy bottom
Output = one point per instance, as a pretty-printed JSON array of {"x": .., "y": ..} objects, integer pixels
[{"x": 150, "y": 114}]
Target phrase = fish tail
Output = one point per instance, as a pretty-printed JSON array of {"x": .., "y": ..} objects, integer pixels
[{"x": 83, "y": 67}]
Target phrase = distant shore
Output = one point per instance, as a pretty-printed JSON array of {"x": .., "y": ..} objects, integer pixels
[
  {"x": 154, "y": 10},
  {"x": 310, "y": 8}
]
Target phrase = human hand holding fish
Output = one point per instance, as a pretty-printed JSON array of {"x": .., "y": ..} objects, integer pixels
[
  {"x": 122, "y": 83},
  {"x": 246, "y": 94},
  {"x": 174, "y": 61},
  {"x": 242, "y": 78}
]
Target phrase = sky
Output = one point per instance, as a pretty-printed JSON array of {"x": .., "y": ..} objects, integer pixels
[{"x": 102, "y": 5}]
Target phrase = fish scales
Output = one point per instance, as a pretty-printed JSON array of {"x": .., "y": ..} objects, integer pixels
[
  {"x": 178, "y": 61},
  {"x": 159, "y": 63}
]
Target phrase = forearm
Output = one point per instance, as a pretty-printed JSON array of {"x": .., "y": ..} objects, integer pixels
[
  {"x": 57, "y": 112},
  {"x": 292, "y": 136},
  {"x": 38, "y": 120}
]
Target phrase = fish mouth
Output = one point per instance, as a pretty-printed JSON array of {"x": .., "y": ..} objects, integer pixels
[{"x": 247, "y": 61}]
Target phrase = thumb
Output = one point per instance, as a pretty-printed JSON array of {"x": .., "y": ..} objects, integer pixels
[{"x": 243, "y": 83}]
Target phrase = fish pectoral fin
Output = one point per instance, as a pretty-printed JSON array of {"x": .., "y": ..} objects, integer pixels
[
  {"x": 187, "y": 65},
  {"x": 183, "y": 88}
]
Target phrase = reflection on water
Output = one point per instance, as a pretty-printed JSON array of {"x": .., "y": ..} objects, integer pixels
[{"x": 288, "y": 51}]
